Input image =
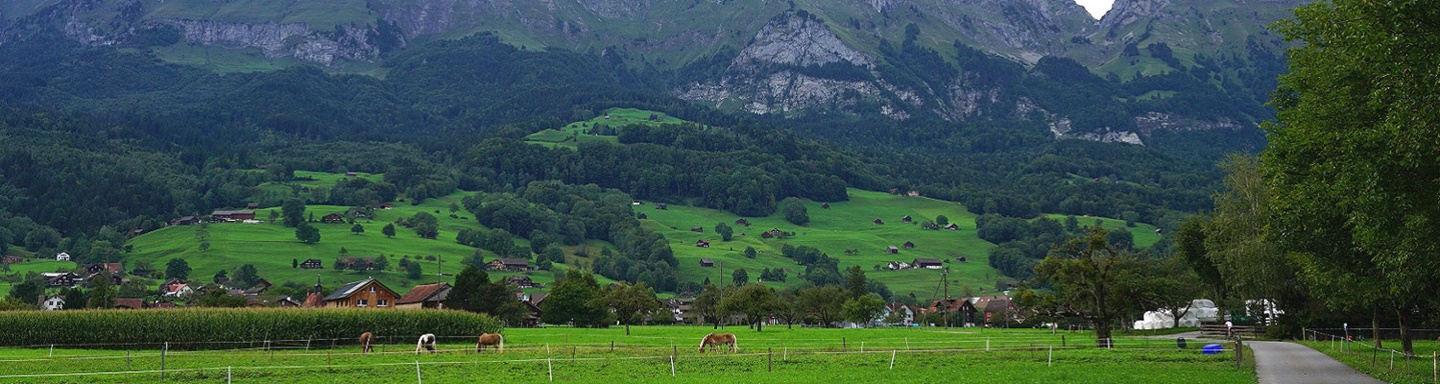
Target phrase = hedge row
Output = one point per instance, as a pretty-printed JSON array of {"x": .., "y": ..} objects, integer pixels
[{"x": 201, "y": 325}]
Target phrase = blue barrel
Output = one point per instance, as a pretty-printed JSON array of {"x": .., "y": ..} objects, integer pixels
[{"x": 1212, "y": 349}]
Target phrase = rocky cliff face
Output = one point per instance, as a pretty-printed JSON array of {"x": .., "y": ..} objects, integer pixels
[
  {"x": 780, "y": 72},
  {"x": 282, "y": 40}
]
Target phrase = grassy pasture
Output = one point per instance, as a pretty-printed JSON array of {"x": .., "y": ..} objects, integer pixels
[
  {"x": 1383, "y": 364},
  {"x": 573, "y": 134},
  {"x": 585, "y": 355},
  {"x": 846, "y": 225}
]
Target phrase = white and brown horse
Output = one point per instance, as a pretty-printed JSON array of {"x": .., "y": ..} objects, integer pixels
[
  {"x": 426, "y": 343},
  {"x": 716, "y": 340},
  {"x": 490, "y": 339},
  {"x": 366, "y": 339}
]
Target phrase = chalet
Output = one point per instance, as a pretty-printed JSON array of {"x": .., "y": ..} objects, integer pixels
[
  {"x": 907, "y": 219},
  {"x": 425, "y": 296},
  {"x": 892, "y": 250},
  {"x": 288, "y": 302},
  {"x": 960, "y": 311},
  {"x": 660, "y": 206},
  {"x": 743, "y": 222},
  {"x": 52, "y": 303},
  {"x": 996, "y": 308},
  {"x": 773, "y": 232},
  {"x": 642, "y": 216},
  {"x": 60, "y": 279},
  {"x": 697, "y": 229},
  {"x": 927, "y": 263},
  {"x": 115, "y": 280},
  {"x": 952, "y": 227},
  {"x": 62, "y": 256},
  {"x": 232, "y": 215},
  {"x": 129, "y": 304},
  {"x": 702, "y": 243},
  {"x": 333, "y": 218},
  {"x": 259, "y": 288},
  {"x": 707, "y": 263},
  {"x": 10, "y": 260},
  {"x": 879, "y": 222},
  {"x": 913, "y": 193},
  {"x": 311, "y": 264},
  {"x": 908, "y": 245},
  {"x": 532, "y": 317},
  {"x": 185, "y": 220},
  {"x": 523, "y": 282},
  {"x": 897, "y": 265},
  {"x": 252, "y": 206},
  {"x": 368, "y": 293},
  {"x": 825, "y": 206},
  {"x": 176, "y": 290},
  {"x": 364, "y": 263},
  {"x": 113, "y": 268},
  {"x": 517, "y": 265}
]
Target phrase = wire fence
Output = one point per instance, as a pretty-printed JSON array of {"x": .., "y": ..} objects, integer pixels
[
  {"x": 275, "y": 357},
  {"x": 1389, "y": 364}
]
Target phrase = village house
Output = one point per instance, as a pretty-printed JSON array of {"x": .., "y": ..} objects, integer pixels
[
  {"x": 772, "y": 233},
  {"x": 10, "y": 260},
  {"x": 742, "y": 221},
  {"x": 996, "y": 309},
  {"x": 927, "y": 263},
  {"x": 113, "y": 268},
  {"x": 523, "y": 282},
  {"x": 365, "y": 263},
  {"x": 707, "y": 263},
  {"x": 368, "y": 293},
  {"x": 62, "y": 256},
  {"x": 907, "y": 314},
  {"x": 952, "y": 227},
  {"x": 52, "y": 303},
  {"x": 702, "y": 243},
  {"x": 230, "y": 216},
  {"x": 129, "y": 303},
  {"x": 184, "y": 220},
  {"x": 115, "y": 280},
  {"x": 60, "y": 279},
  {"x": 333, "y": 218},
  {"x": 683, "y": 310},
  {"x": 288, "y": 302},
  {"x": 515, "y": 265},
  {"x": 311, "y": 264},
  {"x": 259, "y": 288},
  {"x": 957, "y": 311},
  {"x": 425, "y": 296},
  {"x": 897, "y": 265},
  {"x": 176, "y": 290}
]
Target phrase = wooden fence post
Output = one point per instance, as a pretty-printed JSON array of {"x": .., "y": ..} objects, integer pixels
[
  {"x": 167, "y": 350},
  {"x": 771, "y": 358}
]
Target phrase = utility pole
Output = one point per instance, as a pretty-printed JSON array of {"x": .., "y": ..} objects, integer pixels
[{"x": 438, "y": 275}]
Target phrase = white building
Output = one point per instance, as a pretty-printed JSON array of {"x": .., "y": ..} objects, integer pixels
[
  {"x": 52, "y": 303},
  {"x": 62, "y": 256}
]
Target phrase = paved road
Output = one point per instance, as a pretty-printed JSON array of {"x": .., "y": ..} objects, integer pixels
[{"x": 1284, "y": 363}]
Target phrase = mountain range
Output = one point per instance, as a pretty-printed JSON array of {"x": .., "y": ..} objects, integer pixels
[{"x": 1147, "y": 66}]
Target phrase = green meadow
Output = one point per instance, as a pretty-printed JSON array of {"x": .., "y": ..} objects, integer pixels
[
  {"x": 908, "y": 355},
  {"x": 571, "y": 135}
]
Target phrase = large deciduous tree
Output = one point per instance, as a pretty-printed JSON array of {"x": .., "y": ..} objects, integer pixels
[
  {"x": 630, "y": 302},
  {"x": 755, "y": 302},
  {"x": 1357, "y": 148},
  {"x": 1086, "y": 273},
  {"x": 574, "y": 299}
]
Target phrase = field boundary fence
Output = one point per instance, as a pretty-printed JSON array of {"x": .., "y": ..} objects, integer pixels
[{"x": 1411, "y": 367}]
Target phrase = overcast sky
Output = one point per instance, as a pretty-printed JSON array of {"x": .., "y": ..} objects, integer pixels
[{"x": 1096, "y": 8}]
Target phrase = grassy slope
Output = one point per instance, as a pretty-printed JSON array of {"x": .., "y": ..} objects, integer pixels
[
  {"x": 614, "y": 117},
  {"x": 846, "y": 225},
  {"x": 36, "y": 266},
  {"x": 272, "y": 246}
]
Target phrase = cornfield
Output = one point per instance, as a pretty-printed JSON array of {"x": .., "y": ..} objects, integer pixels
[{"x": 198, "y": 326}]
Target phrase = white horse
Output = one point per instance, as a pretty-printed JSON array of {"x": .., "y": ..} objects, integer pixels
[{"x": 426, "y": 343}]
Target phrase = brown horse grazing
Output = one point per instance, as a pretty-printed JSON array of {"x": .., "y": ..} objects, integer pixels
[
  {"x": 426, "y": 343},
  {"x": 366, "y": 339},
  {"x": 488, "y": 339},
  {"x": 715, "y": 340}
]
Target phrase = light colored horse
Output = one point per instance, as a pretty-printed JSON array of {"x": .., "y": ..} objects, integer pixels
[
  {"x": 366, "y": 339},
  {"x": 715, "y": 340},
  {"x": 489, "y": 339},
  {"x": 426, "y": 343}
]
